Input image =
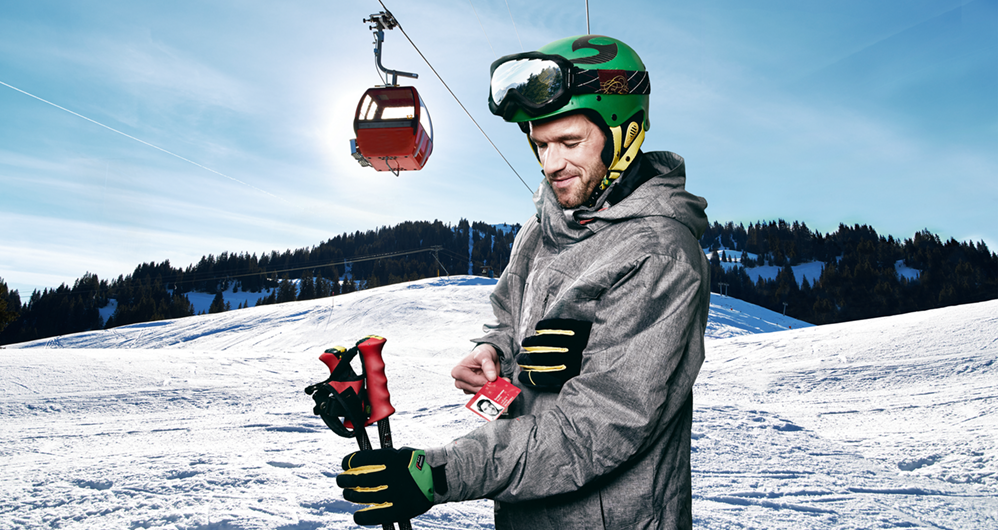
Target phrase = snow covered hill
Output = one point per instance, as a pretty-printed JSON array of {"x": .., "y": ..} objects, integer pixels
[{"x": 201, "y": 423}]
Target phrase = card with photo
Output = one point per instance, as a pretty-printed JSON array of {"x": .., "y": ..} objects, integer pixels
[{"x": 493, "y": 399}]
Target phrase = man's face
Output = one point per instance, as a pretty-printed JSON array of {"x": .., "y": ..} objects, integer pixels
[
  {"x": 488, "y": 408},
  {"x": 569, "y": 148}
]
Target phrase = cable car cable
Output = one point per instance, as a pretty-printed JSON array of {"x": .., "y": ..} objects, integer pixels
[
  {"x": 514, "y": 24},
  {"x": 459, "y": 102},
  {"x": 587, "y": 18},
  {"x": 483, "y": 28}
]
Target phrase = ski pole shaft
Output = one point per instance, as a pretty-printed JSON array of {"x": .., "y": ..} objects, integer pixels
[
  {"x": 363, "y": 441},
  {"x": 385, "y": 438},
  {"x": 385, "y": 433}
]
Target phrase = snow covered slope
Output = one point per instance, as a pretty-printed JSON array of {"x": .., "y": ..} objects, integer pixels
[
  {"x": 202, "y": 423},
  {"x": 883, "y": 423}
]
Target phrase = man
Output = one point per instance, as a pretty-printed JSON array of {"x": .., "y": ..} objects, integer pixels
[{"x": 600, "y": 315}]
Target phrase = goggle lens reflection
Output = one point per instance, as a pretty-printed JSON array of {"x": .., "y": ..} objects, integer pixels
[{"x": 536, "y": 80}]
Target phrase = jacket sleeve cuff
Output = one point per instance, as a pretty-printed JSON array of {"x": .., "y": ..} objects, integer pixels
[{"x": 442, "y": 490}]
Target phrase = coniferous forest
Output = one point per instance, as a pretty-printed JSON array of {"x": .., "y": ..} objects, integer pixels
[{"x": 858, "y": 277}]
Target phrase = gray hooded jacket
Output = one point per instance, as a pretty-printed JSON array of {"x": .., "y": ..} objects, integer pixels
[{"x": 612, "y": 448}]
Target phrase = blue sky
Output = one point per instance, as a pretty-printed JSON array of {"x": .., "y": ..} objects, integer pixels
[{"x": 882, "y": 113}]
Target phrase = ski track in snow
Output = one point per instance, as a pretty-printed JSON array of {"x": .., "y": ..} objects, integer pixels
[{"x": 201, "y": 423}]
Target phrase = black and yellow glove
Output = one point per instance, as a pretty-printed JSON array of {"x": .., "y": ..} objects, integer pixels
[
  {"x": 397, "y": 483},
  {"x": 554, "y": 354}
]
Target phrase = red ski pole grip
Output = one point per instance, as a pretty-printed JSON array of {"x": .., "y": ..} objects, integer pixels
[{"x": 377, "y": 383}]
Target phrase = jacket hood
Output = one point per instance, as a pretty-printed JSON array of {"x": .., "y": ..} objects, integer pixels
[{"x": 655, "y": 185}]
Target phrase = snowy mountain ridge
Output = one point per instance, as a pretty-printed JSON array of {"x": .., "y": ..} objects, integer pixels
[{"x": 201, "y": 422}]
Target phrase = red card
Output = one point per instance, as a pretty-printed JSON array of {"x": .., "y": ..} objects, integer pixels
[{"x": 491, "y": 401}]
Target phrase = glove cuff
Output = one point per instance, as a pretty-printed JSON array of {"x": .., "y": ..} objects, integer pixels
[{"x": 422, "y": 474}]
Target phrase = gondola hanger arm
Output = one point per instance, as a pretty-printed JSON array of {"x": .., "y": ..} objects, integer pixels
[{"x": 380, "y": 22}]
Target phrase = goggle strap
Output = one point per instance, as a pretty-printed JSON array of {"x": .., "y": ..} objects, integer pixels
[{"x": 618, "y": 82}]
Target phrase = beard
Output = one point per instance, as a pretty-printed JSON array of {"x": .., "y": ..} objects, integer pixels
[{"x": 578, "y": 190}]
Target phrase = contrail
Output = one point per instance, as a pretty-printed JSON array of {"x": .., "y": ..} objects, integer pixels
[{"x": 112, "y": 129}]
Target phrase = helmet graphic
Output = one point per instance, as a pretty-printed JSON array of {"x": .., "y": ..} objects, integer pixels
[{"x": 599, "y": 75}]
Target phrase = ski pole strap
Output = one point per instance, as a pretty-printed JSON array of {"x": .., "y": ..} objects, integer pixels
[
  {"x": 339, "y": 410},
  {"x": 338, "y": 359},
  {"x": 339, "y": 400}
]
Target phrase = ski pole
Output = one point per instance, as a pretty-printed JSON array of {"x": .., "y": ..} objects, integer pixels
[{"x": 339, "y": 400}]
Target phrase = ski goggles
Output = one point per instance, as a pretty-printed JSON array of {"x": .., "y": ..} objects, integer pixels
[{"x": 539, "y": 83}]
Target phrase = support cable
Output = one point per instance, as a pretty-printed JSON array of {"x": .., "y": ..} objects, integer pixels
[
  {"x": 213, "y": 277},
  {"x": 459, "y": 103}
]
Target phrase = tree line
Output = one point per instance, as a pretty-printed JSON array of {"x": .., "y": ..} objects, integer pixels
[
  {"x": 348, "y": 262},
  {"x": 859, "y": 277}
]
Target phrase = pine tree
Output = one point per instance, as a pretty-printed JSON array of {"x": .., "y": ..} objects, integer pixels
[
  {"x": 217, "y": 304},
  {"x": 306, "y": 288},
  {"x": 322, "y": 287},
  {"x": 286, "y": 291},
  {"x": 6, "y": 316}
]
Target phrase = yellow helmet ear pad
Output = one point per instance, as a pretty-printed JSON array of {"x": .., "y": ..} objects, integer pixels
[
  {"x": 632, "y": 132},
  {"x": 625, "y": 146},
  {"x": 625, "y": 150}
]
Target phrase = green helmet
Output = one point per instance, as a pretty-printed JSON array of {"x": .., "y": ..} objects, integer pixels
[
  {"x": 598, "y": 75},
  {"x": 594, "y": 53}
]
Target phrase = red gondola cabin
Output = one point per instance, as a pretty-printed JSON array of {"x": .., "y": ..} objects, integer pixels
[{"x": 393, "y": 130}]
